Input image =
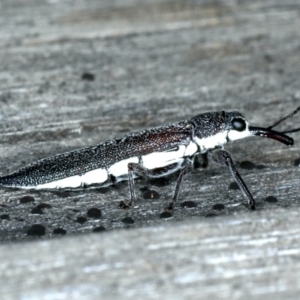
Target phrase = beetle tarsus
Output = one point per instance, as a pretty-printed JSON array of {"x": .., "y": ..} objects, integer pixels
[
  {"x": 124, "y": 205},
  {"x": 170, "y": 207}
]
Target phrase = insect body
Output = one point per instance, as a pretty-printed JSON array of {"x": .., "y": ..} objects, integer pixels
[{"x": 152, "y": 153}]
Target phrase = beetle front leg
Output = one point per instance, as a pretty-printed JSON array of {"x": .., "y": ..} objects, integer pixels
[
  {"x": 223, "y": 157},
  {"x": 185, "y": 170},
  {"x": 188, "y": 166}
]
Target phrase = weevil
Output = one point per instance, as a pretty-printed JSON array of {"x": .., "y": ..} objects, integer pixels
[{"x": 150, "y": 153}]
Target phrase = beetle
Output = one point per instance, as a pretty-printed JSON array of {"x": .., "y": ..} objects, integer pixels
[{"x": 150, "y": 153}]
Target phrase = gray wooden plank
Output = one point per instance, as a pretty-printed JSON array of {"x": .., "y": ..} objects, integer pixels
[{"x": 237, "y": 257}]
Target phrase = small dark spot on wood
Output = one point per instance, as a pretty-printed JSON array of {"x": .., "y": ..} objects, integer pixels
[
  {"x": 128, "y": 220},
  {"x": 2, "y": 206},
  {"x": 88, "y": 76},
  {"x": 248, "y": 165},
  {"x": 36, "y": 211},
  {"x": 4, "y": 217},
  {"x": 297, "y": 162},
  {"x": 165, "y": 215},
  {"x": 81, "y": 220},
  {"x": 188, "y": 204},
  {"x": 36, "y": 230},
  {"x": 151, "y": 194},
  {"x": 269, "y": 58},
  {"x": 26, "y": 199},
  {"x": 233, "y": 186},
  {"x": 94, "y": 213},
  {"x": 219, "y": 206},
  {"x": 99, "y": 229},
  {"x": 43, "y": 206},
  {"x": 210, "y": 215},
  {"x": 75, "y": 210},
  {"x": 59, "y": 231},
  {"x": 271, "y": 199}
]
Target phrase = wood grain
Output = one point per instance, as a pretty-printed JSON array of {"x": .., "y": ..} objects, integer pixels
[{"x": 76, "y": 73}]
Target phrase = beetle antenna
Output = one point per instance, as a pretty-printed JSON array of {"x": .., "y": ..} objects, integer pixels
[
  {"x": 284, "y": 118},
  {"x": 292, "y": 130}
]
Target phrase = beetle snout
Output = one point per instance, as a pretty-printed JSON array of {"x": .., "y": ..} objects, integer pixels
[{"x": 271, "y": 134}]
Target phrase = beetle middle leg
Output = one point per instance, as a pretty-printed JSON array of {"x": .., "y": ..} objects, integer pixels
[
  {"x": 223, "y": 157},
  {"x": 134, "y": 168},
  {"x": 138, "y": 169}
]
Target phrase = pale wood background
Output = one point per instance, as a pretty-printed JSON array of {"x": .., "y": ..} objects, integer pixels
[{"x": 154, "y": 62}]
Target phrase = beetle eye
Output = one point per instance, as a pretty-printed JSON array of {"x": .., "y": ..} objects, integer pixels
[{"x": 238, "y": 124}]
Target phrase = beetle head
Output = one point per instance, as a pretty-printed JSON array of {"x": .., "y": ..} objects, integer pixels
[
  {"x": 239, "y": 128},
  {"x": 217, "y": 128}
]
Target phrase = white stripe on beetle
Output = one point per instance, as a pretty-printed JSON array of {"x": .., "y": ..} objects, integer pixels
[
  {"x": 164, "y": 158},
  {"x": 91, "y": 177}
]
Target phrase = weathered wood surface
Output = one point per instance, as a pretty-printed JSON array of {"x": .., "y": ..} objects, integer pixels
[{"x": 154, "y": 62}]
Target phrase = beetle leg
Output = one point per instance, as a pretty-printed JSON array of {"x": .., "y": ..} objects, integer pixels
[
  {"x": 189, "y": 165},
  {"x": 223, "y": 157},
  {"x": 138, "y": 169}
]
